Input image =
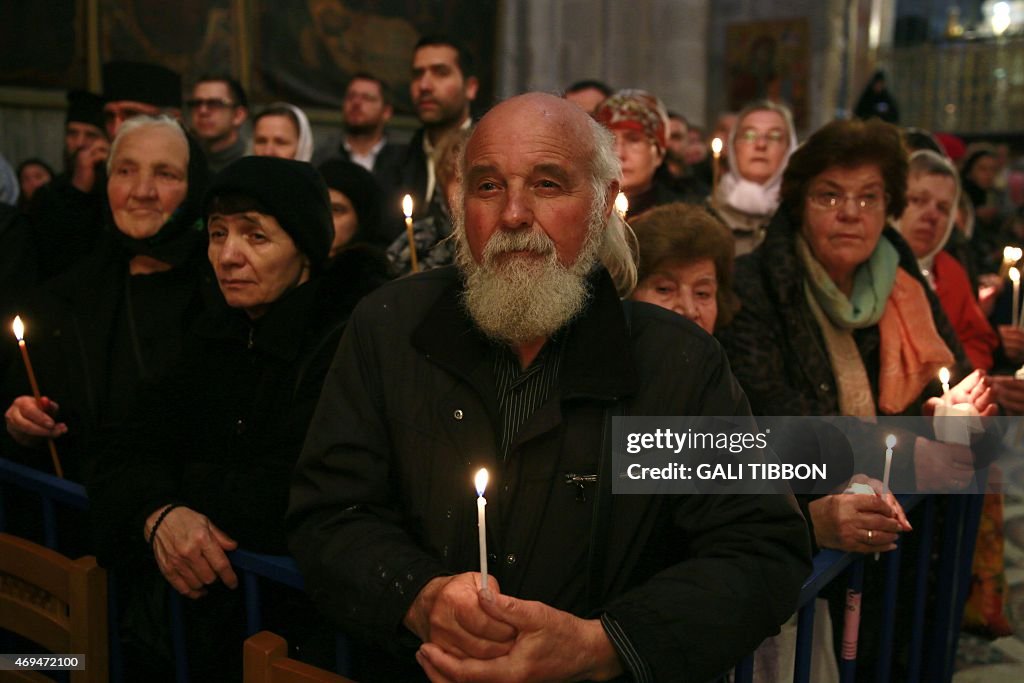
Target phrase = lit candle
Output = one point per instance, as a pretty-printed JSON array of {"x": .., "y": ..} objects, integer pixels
[
  {"x": 944, "y": 378},
  {"x": 1007, "y": 262},
  {"x": 1015, "y": 314},
  {"x": 19, "y": 334},
  {"x": 481, "y": 522},
  {"x": 622, "y": 205},
  {"x": 407, "y": 210},
  {"x": 716, "y": 153},
  {"x": 890, "y": 443}
]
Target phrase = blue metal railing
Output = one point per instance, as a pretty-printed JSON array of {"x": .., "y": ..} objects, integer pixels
[
  {"x": 960, "y": 531},
  {"x": 252, "y": 567}
]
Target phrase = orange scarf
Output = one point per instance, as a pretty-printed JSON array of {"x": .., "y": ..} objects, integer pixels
[{"x": 911, "y": 349}]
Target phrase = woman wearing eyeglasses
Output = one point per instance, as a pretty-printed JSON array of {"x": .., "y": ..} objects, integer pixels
[
  {"x": 836, "y": 319},
  {"x": 748, "y": 193}
]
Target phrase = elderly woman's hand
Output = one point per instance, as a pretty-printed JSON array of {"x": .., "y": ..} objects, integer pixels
[
  {"x": 858, "y": 523},
  {"x": 1009, "y": 394},
  {"x": 189, "y": 550},
  {"x": 942, "y": 467},
  {"x": 29, "y": 421}
]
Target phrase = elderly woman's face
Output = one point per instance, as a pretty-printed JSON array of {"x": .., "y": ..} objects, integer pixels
[
  {"x": 760, "y": 145},
  {"x": 255, "y": 260},
  {"x": 844, "y": 213},
  {"x": 148, "y": 180},
  {"x": 931, "y": 200},
  {"x": 689, "y": 288}
]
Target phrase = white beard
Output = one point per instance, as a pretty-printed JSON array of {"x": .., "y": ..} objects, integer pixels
[{"x": 522, "y": 298}]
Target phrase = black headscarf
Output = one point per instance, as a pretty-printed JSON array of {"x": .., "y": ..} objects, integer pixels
[{"x": 177, "y": 238}]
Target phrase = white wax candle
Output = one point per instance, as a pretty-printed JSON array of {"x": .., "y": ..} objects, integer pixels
[
  {"x": 481, "y": 521},
  {"x": 890, "y": 442},
  {"x": 1015, "y": 313}
]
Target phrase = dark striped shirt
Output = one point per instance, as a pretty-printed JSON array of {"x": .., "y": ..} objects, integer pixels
[{"x": 521, "y": 392}]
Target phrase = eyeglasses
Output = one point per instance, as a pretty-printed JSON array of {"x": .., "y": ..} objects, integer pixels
[
  {"x": 209, "y": 104},
  {"x": 750, "y": 136},
  {"x": 831, "y": 201}
]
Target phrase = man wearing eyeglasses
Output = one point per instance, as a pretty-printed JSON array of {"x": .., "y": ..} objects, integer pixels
[{"x": 218, "y": 109}]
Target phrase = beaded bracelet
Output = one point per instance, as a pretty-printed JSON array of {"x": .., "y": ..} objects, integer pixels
[{"x": 158, "y": 522}]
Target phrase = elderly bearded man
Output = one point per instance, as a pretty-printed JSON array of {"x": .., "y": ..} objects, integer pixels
[{"x": 511, "y": 362}]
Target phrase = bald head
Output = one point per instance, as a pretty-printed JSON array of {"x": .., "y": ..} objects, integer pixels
[{"x": 524, "y": 114}]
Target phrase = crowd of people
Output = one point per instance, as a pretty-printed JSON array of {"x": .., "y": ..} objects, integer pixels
[{"x": 236, "y": 348}]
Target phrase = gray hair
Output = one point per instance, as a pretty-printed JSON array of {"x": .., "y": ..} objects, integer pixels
[
  {"x": 618, "y": 249},
  {"x": 146, "y": 121}
]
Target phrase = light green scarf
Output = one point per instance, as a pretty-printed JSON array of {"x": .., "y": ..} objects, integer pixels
[{"x": 872, "y": 284}]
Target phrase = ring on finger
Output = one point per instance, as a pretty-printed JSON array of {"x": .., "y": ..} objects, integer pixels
[{"x": 871, "y": 534}]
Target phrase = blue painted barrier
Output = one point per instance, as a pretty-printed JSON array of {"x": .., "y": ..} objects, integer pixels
[{"x": 960, "y": 526}]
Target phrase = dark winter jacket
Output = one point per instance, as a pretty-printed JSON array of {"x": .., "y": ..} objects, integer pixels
[
  {"x": 382, "y": 500},
  {"x": 220, "y": 431}
]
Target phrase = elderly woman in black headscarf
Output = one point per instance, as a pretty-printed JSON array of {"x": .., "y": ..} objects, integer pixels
[
  {"x": 119, "y": 316},
  {"x": 210, "y": 446}
]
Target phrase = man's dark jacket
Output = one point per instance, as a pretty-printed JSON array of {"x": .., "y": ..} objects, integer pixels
[{"x": 383, "y": 501}]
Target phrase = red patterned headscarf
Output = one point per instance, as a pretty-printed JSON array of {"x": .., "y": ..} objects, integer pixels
[{"x": 635, "y": 110}]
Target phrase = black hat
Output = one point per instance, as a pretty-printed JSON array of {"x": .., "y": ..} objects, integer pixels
[
  {"x": 292, "y": 192},
  {"x": 359, "y": 185},
  {"x": 84, "y": 107},
  {"x": 141, "y": 82}
]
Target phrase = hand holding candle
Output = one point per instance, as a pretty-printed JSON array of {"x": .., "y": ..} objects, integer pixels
[
  {"x": 19, "y": 332},
  {"x": 407, "y": 210},
  {"x": 481, "y": 521}
]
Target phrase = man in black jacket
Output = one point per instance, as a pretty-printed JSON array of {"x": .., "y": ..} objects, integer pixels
[{"x": 514, "y": 362}]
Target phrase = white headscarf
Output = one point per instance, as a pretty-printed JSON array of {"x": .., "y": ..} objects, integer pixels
[
  {"x": 745, "y": 195},
  {"x": 304, "y": 149},
  {"x": 927, "y": 162}
]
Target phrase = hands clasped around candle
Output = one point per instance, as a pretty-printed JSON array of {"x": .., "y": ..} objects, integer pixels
[{"x": 472, "y": 634}]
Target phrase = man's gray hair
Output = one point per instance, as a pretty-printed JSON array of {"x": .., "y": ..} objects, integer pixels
[
  {"x": 146, "y": 121},
  {"x": 618, "y": 243}
]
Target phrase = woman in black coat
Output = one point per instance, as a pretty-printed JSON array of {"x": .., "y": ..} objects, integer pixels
[
  {"x": 209, "y": 448},
  {"x": 119, "y": 316}
]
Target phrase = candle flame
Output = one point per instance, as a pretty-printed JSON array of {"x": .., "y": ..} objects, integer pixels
[
  {"x": 407, "y": 206},
  {"x": 1016, "y": 254},
  {"x": 19, "y": 328},
  {"x": 716, "y": 146},
  {"x": 944, "y": 375},
  {"x": 481, "y": 481},
  {"x": 1014, "y": 274},
  {"x": 622, "y": 204},
  {"x": 890, "y": 441}
]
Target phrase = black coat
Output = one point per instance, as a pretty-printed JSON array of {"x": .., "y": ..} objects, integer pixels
[
  {"x": 86, "y": 356},
  {"x": 220, "y": 431},
  {"x": 382, "y": 500}
]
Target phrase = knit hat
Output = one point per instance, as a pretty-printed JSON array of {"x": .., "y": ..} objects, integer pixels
[
  {"x": 85, "y": 107},
  {"x": 141, "y": 82},
  {"x": 358, "y": 184},
  {"x": 292, "y": 192},
  {"x": 635, "y": 110}
]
